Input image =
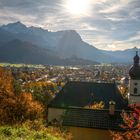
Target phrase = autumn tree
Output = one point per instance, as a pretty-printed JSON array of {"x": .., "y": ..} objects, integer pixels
[
  {"x": 6, "y": 80},
  {"x": 42, "y": 91},
  {"x": 17, "y": 87},
  {"x": 131, "y": 125},
  {"x": 15, "y": 108}
]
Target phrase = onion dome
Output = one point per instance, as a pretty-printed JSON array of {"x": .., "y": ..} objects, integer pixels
[{"x": 134, "y": 71}]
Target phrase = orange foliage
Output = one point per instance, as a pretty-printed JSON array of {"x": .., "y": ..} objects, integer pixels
[
  {"x": 6, "y": 82},
  {"x": 131, "y": 125},
  {"x": 16, "y": 108},
  {"x": 28, "y": 107},
  {"x": 96, "y": 105}
]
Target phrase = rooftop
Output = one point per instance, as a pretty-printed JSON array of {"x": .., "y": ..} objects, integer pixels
[
  {"x": 89, "y": 118},
  {"x": 81, "y": 94}
]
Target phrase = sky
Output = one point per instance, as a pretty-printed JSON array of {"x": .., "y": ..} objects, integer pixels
[{"x": 105, "y": 24}]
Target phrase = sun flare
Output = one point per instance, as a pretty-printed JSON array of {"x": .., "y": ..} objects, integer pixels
[{"x": 78, "y": 7}]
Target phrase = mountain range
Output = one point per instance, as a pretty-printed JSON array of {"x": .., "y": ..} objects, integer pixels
[{"x": 22, "y": 44}]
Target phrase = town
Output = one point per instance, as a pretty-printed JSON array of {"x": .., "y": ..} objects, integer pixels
[
  {"x": 36, "y": 78},
  {"x": 57, "y": 74}
]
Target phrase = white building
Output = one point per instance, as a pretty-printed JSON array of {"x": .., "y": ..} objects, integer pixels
[{"x": 134, "y": 83}]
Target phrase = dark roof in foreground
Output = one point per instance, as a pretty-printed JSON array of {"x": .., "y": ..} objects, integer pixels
[
  {"x": 89, "y": 118},
  {"x": 81, "y": 94}
]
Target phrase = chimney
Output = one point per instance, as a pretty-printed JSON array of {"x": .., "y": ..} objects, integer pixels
[{"x": 112, "y": 108}]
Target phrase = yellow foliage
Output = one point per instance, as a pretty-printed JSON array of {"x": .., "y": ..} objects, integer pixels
[
  {"x": 40, "y": 84},
  {"x": 6, "y": 81},
  {"x": 16, "y": 108},
  {"x": 96, "y": 105}
]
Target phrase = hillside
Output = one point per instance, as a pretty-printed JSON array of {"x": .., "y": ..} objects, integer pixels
[{"x": 17, "y": 51}]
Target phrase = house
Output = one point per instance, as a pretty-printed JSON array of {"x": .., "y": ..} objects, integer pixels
[{"x": 68, "y": 107}]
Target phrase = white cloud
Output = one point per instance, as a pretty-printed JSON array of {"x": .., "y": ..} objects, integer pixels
[
  {"x": 88, "y": 27},
  {"x": 134, "y": 38},
  {"x": 115, "y": 6},
  {"x": 111, "y": 24}
]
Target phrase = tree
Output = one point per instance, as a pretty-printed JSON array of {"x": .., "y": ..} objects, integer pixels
[
  {"x": 6, "y": 80},
  {"x": 42, "y": 91},
  {"x": 131, "y": 125},
  {"x": 15, "y": 108},
  {"x": 16, "y": 87}
]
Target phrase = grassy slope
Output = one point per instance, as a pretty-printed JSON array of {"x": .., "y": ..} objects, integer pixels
[
  {"x": 32, "y": 131},
  {"x": 21, "y": 133}
]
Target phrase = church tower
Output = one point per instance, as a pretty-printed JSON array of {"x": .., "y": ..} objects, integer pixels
[{"x": 134, "y": 83}]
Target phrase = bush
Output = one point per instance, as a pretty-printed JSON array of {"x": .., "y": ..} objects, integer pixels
[{"x": 7, "y": 131}]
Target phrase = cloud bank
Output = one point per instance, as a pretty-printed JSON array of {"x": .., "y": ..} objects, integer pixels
[{"x": 109, "y": 24}]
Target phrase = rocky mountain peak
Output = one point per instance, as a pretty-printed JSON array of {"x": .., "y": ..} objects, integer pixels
[{"x": 15, "y": 27}]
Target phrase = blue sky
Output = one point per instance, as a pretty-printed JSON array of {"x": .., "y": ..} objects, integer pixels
[{"x": 106, "y": 24}]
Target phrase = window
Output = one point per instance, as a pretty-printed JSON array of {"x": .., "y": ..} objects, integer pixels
[
  {"x": 135, "y": 84},
  {"x": 135, "y": 90}
]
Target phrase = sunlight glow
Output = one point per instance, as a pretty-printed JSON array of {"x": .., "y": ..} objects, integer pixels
[{"x": 78, "y": 7}]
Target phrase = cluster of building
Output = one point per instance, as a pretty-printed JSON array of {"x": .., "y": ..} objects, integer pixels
[
  {"x": 57, "y": 74},
  {"x": 68, "y": 107}
]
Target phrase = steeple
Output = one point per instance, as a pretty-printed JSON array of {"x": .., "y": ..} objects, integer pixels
[
  {"x": 134, "y": 83},
  {"x": 134, "y": 71},
  {"x": 136, "y": 59}
]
